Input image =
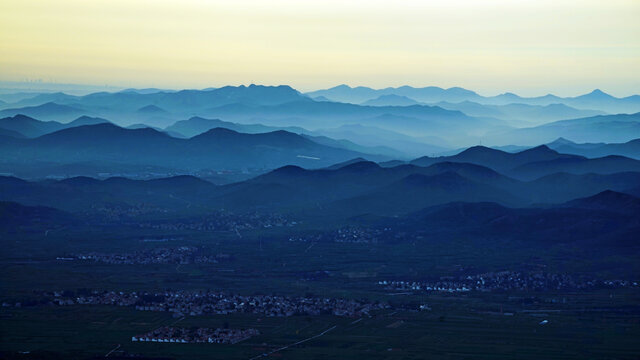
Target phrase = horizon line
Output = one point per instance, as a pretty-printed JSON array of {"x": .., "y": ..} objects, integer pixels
[{"x": 90, "y": 88}]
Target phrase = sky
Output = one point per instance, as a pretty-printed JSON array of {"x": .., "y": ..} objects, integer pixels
[{"x": 528, "y": 47}]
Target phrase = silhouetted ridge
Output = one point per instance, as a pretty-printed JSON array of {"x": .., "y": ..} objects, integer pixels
[
  {"x": 561, "y": 141},
  {"x": 152, "y": 109},
  {"x": 87, "y": 120},
  {"x": 80, "y": 181},
  {"x": 180, "y": 180},
  {"x": 345, "y": 163},
  {"x": 287, "y": 170},
  {"x": 217, "y": 132},
  {"x": 610, "y": 201},
  {"x": 16, "y": 217},
  {"x": 12, "y": 180},
  {"x": 360, "y": 166},
  {"x": 102, "y": 130}
]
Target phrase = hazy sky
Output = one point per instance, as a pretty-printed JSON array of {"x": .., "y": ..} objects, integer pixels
[{"x": 529, "y": 47}]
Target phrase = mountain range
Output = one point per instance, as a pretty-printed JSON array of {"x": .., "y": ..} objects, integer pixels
[
  {"x": 25, "y": 126},
  {"x": 340, "y": 192},
  {"x": 595, "y": 100},
  {"x": 460, "y": 116},
  {"x": 216, "y": 149},
  {"x": 602, "y": 221},
  {"x": 536, "y": 162},
  {"x": 601, "y": 128},
  {"x": 515, "y": 113},
  {"x": 629, "y": 149},
  {"x": 49, "y": 111}
]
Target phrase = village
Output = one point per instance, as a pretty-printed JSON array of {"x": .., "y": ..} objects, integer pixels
[
  {"x": 505, "y": 281},
  {"x": 194, "y": 303},
  {"x": 352, "y": 234},
  {"x": 221, "y": 221},
  {"x": 164, "y": 255},
  {"x": 168, "y": 334}
]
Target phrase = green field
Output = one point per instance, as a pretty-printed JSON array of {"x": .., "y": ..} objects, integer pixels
[
  {"x": 81, "y": 332},
  {"x": 582, "y": 325}
]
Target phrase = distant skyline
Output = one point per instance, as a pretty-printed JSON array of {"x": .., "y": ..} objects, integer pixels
[
  {"x": 531, "y": 48},
  {"x": 82, "y": 89}
]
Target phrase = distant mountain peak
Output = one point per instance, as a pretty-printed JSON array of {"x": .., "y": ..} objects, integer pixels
[
  {"x": 393, "y": 96},
  {"x": 609, "y": 200},
  {"x": 597, "y": 94},
  {"x": 288, "y": 170},
  {"x": 360, "y": 166},
  {"x": 540, "y": 148},
  {"x": 479, "y": 149},
  {"x": 20, "y": 117},
  {"x": 201, "y": 119},
  {"x": 218, "y": 131},
  {"x": 87, "y": 120},
  {"x": 391, "y": 100},
  {"x": 151, "y": 109},
  {"x": 561, "y": 141}
]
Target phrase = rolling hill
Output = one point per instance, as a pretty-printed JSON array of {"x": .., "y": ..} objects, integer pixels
[
  {"x": 48, "y": 111},
  {"x": 629, "y": 149},
  {"x": 30, "y": 127},
  {"x": 535, "y": 162},
  {"x": 217, "y": 148},
  {"x": 595, "y": 100},
  {"x": 602, "y": 128}
]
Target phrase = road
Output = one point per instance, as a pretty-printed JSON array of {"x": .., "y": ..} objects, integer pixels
[
  {"x": 112, "y": 350},
  {"x": 294, "y": 344}
]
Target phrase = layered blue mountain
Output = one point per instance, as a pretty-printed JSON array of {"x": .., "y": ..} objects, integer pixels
[
  {"x": 353, "y": 188},
  {"x": 360, "y": 94},
  {"x": 603, "y": 128},
  {"x": 610, "y": 201},
  {"x": 629, "y": 149},
  {"x": 536, "y": 162},
  {"x": 417, "y": 119},
  {"x": 523, "y": 114},
  {"x": 368, "y": 140},
  {"x": 152, "y": 110},
  {"x": 197, "y": 125},
  {"x": 49, "y": 111},
  {"x": 279, "y": 106},
  {"x": 391, "y": 100},
  {"x": 81, "y": 194},
  {"x": 593, "y": 222},
  {"x": 174, "y": 100},
  {"x": 216, "y": 149},
  {"x": 27, "y": 126},
  {"x": 16, "y": 218},
  {"x": 374, "y": 136},
  {"x": 515, "y": 113},
  {"x": 596, "y": 100}
]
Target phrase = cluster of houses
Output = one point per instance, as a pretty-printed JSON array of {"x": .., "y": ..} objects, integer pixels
[
  {"x": 196, "y": 335},
  {"x": 164, "y": 255},
  {"x": 505, "y": 281},
  {"x": 222, "y": 221},
  {"x": 352, "y": 234},
  {"x": 182, "y": 303},
  {"x": 121, "y": 212}
]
